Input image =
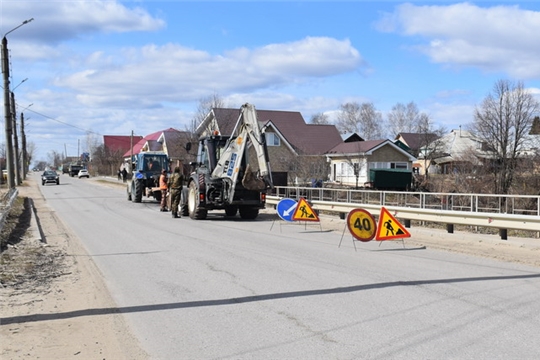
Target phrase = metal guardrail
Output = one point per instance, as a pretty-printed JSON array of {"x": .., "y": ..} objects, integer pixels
[
  {"x": 6, "y": 204},
  {"x": 518, "y": 212}
]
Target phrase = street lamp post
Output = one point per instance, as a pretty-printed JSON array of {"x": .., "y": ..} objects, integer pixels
[
  {"x": 24, "y": 163},
  {"x": 7, "y": 111},
  {"x": 18, "y": 180}
]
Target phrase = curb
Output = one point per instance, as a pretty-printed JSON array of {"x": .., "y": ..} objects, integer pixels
[{"x": 35, "y": 229}]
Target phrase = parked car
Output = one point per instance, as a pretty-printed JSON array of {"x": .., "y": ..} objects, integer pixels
[
  {"x": 84, "y": 173},
  {"x": 50, "y": 176}
]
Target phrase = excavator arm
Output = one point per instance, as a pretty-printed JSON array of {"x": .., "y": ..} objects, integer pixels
[{"x": 230, "y": 161}]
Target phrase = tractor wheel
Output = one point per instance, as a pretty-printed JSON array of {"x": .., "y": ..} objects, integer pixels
[
  {"x": 248, "y": 213},
  {"x": 231, "y": 210},
  {"x": 137, "y": 187},
  {"x": 194, "y": 208}
]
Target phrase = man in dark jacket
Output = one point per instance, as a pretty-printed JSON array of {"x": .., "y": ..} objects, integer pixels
[{"x": 175, "y": 190}]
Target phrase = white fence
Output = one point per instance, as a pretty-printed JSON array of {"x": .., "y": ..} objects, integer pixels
[{"x": 503, "y": 212}]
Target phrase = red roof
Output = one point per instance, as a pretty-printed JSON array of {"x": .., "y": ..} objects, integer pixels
[
  {"x": 148, "y": 138},
  {"x": 119, "y": 143}
]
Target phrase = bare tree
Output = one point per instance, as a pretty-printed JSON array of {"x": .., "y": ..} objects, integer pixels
[
  {"x": 363, "y": 119},
  {"x": 55, "y": 159},
  {"x": 431, "y": 144},
  {"x": 405, "y": 118},
  {"x": 307, "y": 169},
  {"x": 105, "y": 161},
  {"x": 205, "y": 106},
  {"x": 92, "y": 142},
  {"x": 503, "y": 121},
  {"x": 319, "y": 119}
]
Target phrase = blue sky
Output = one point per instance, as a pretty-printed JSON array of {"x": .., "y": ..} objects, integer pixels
[{"x": 112, "y": 67}]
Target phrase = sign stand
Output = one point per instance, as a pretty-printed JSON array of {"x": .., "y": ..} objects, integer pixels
[
  {"x": 390, "y": 228},
  {"x": 304, "y": 212},
  {"x": 291, "y": 211},
  {"x": 361, "y": 224},
  {"x": 285, "y": 210},
  {"x": 352, "y": 238}
]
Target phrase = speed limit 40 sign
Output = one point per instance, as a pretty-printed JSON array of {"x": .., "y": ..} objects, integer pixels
[{"x": 361, "y": 224}]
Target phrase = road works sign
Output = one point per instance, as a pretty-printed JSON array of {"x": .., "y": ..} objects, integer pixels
[
  {"x": 361, "y": 224},
  {"x": 304, "y": 212},
  {"x": 389, "y": 228}
]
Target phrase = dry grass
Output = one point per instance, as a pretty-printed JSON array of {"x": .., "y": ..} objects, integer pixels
[{"x": 26, "y": 264}]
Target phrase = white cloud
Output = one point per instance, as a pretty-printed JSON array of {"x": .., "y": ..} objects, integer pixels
[
  {"x": 65, "y": 20},
  {"x": 499, "y": 38},
  {"x": 148, "y": 76}
]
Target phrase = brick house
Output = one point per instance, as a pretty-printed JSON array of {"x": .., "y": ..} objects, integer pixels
[{"x": 296, "y": 149}]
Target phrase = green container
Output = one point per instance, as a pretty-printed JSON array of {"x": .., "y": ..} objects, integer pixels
[{"x": 390, "y": 179}]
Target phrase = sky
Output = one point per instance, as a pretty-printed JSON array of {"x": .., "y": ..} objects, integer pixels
[{"x": 82, "y": 69}]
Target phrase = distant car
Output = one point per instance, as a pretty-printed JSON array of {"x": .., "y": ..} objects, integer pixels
[
  {"x": 50, "y": 176},
  {"x": 84, "y": 173}
]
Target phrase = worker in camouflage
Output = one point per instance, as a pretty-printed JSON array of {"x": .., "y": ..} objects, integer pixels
[{"x": 175, "y": 190}]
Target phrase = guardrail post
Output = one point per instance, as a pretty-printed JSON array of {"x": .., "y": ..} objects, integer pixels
[
  {"x": 407, "y": 223},
  {"x": 450, "y": 228},
  {"x": 504, "y": 234}
]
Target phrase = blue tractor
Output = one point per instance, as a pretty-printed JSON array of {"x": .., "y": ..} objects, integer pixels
[{"x": 147, "y": 168}]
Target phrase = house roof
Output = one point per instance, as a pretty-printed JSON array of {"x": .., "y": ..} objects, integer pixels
[
  {"x": 174, "y": 143},
  {"x": 457, "y": 144},
  {"x": 416, "y": 140},
  {"x": 306, "y": 139},
  {"x": 365, "y": 148},
  {"x": 355, "y": 148},
  {"x": 350, "y": 137},
  {"x": 142, "y": 142},
  {"x": 119, "y": 143}
]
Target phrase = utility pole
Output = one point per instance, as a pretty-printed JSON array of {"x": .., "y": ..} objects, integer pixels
[
  {"x": 17, "y": 168},
  {"x": 7, "y": 111},
  {"x": 131, "y": 156},
  {"x": 8, "y": 118},
  {"x": 23, "y": 145}
]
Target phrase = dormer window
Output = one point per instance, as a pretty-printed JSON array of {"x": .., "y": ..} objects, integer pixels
[{"x": 272, "y": 139}]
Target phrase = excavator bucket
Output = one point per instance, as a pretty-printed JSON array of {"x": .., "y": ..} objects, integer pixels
[{"x": 251, "y": 182}]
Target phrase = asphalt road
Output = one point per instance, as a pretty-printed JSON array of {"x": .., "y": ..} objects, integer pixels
[{"x": 231, "y": 289}]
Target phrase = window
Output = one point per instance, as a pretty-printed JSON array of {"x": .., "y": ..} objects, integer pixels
[
  {"x": 272, "y": 139},
  {"x": 388, "y": 165},
  {"x": 399, "y": 165}
]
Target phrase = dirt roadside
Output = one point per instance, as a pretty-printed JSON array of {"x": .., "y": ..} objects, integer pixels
[
  {"x": 53, "y": 297},
  {"x": 54, "y": 308}
]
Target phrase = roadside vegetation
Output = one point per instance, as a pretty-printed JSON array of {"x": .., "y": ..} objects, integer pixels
[{"x": 26, "y": 265}]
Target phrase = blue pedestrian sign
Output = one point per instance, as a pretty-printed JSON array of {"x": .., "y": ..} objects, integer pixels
[{"x": 285, "y": 209}]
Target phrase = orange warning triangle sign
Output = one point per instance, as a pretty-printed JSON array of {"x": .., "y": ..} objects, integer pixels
[
  {"x": 389, "y": 228},
  {"x": 304, "y": 212}
]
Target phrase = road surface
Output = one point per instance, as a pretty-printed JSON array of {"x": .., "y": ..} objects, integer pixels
[{"x": 230, "y": 289}]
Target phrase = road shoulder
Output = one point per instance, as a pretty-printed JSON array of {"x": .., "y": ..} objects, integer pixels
[{"x": 70, "y": 313}]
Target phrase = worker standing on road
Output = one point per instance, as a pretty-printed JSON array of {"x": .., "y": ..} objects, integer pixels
[
  {"x": 163, "y": 188},
  {"x": 175, "y": 189}
]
